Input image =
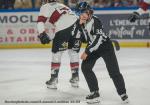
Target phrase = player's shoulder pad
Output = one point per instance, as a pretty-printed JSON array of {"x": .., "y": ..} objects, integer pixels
[
  {"x": 44, "y": 6},
  {"x": 47, "y": 5}
]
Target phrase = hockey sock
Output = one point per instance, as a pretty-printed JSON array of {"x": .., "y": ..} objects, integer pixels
[
  {"x": 55, "y": 69},
  {"x": 74, "y": 68}
]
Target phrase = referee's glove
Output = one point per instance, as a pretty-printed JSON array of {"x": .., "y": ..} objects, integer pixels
[
  {"x": 44, "y": 38},
  {"x": 134, "y": 16}
]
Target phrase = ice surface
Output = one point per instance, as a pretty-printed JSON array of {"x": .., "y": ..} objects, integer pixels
[{"x": 23, "y": 73}]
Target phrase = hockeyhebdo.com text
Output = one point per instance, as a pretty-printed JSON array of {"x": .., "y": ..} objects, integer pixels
[{"x": 40, "y": 101}]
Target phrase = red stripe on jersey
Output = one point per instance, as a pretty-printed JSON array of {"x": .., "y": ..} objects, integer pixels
[
  {"x": 144, "y": 5},
  {"x": 54, "y": 17},
  {"x": 42, "y": 19}
]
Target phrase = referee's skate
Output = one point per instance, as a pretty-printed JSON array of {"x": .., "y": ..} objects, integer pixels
[{"x": 92, "y": 98}]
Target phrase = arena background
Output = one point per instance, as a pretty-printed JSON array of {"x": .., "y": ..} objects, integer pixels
[
  {"x": 18, "y": 28},
  {"x": 25, "y": 64}
]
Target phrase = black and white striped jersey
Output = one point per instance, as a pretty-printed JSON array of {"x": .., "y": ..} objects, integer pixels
[{"x": 94, "y": 34}]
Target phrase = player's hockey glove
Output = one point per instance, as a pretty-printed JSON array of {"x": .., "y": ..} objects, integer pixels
[
  {"x": 134, "y": 16},
  {"x": 44, "y": 38}
]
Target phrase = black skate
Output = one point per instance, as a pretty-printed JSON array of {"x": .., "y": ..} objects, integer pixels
[
  {"x": 74, "y": 81},
  {"x": 52, "y": 83},
  {"x": 124, "y": 98},
  {"x": 94, "y": 97}
]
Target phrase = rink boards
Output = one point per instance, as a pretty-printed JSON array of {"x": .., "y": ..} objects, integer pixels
[
  {"x": 121, "y": 43},
  {"x": 19, "y": 30}
]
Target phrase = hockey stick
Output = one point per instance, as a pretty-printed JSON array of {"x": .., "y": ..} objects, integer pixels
[{"x": 116, "y": 43}]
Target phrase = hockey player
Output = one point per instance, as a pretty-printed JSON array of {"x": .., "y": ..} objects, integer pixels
[
  {"x": 142, "y": 9},
  {"x": 62, "y": 18},
  {"x": 99, "y": 45}
]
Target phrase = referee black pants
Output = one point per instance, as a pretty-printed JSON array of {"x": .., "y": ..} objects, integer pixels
[{"x": 106, "y": 51}]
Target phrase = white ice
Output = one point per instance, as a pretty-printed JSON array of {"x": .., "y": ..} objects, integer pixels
[{"x": 23, "y": 73}]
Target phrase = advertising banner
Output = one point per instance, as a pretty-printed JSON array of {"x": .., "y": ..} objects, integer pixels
[
  {"x": 19, "y": 29},
  {"x": 118, "y": 26}
]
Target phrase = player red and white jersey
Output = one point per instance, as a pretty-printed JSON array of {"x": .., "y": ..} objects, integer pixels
[
  {"x": 57, "y": 14},
  {"x": 145, "y": 4}
]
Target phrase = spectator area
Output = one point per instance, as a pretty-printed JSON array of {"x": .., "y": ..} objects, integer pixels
[{"x": 23, "y": 4}]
